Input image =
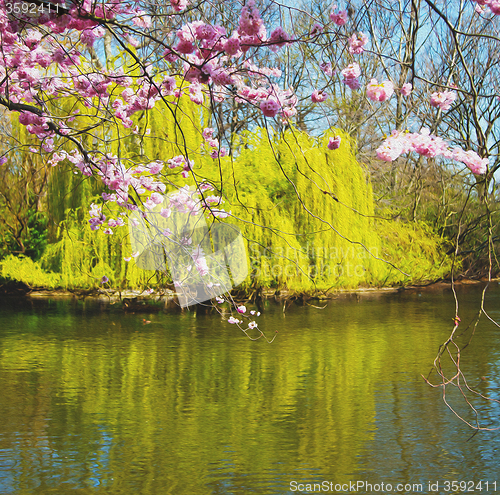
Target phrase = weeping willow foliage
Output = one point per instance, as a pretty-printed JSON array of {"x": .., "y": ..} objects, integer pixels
[
  {"x": 83, "y": 257},
  {"x": 415, "y": 249},
  {"x": 306, "y": 212},
  {"x": 308, "y": 217}
]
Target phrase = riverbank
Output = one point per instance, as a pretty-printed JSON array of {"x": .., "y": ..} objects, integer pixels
[{"x": 165, "y": 299}]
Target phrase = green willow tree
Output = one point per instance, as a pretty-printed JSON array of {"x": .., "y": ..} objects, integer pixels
[{"x": 307, "y": 213}]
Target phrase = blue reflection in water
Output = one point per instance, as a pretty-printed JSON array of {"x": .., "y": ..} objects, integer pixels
[{"x": 100, "y": 463}]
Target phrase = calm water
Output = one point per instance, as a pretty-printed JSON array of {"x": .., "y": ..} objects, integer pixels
[{"x": 92, "y": 401}]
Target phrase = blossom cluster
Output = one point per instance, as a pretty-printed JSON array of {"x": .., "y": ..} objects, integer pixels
[
  {"x": 357, "y": 43},
  {"x": 338, "y": 17},
  {"x": 351, "y": 74},
  {"x": 319, "y": 96},
  {"x": 208, "y": 53},
  {"x": 213, "y": 57},
  {"x": 443, "y": 99},
  {"x": 425, "y": 144},
  {"x": 181, "y": 161},
  {"x": 334, "y": 143},
  {"x": 208, "y": 136},
  {"x": 494, "y": 5},
  {"x": 379, "y": 92},
  {"x": 241, "y": 310}
]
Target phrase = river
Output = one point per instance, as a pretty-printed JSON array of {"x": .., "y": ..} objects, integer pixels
[{"x": 97, "y": 401}]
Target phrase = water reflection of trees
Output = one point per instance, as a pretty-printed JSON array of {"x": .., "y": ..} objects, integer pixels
[{"x": 107, "y": 405}]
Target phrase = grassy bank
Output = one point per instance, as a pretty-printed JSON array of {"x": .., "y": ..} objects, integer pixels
[{"x": 414, "y": 253}]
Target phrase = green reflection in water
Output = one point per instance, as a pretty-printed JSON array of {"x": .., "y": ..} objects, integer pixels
[{"x": 94, "y": 401}]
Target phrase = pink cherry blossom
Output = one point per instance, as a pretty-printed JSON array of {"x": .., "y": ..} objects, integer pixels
[
  {"x": 353, "y": 83},
  {"x": 339, "y": 18},
  {"x": 278, "y": 39},
  {"x": 156, "y": 198},
  {"x": 334, "y": 143},
  {"x": 196, "y": 94},
  {"x": 379, "y": 92},
  {"x": 426, "y": 144},
  {"x": 205, "y": 31},
  {"x": 88, "y": 36},
  {"x": 155, "y": 167},
  {"x": 326, "y": 67},
  {"x": 185, "y": 47},
  {"x": 232, "y": 46},
  {"x": 205, "y": 186},
  {"x": 393, "y": 147},
  {"x": 406, "y": 89},
  {"x": 170, "y": 56},
  {"x": 351, "y": 74},
  {"x": 352, "y": 71},
  {"x": 116, "y": 223},
  {"x": 142, "y": 20},
  {"x": 251, "y": 23},
  {"x": 357, "y": 43},
  {"x": 270, "y": 107},
  {"x": 494, "y": 6},
  {"x": 165, "y": 212},
  {"x": 443, "y": 99},
  {"x": 472, "y": 160},
  {"x": 179, "y": 5},
  {"x": 33, "y": 38},
  {"x": 208, "y": 133},
  {"x": 319, "y": 96}
]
